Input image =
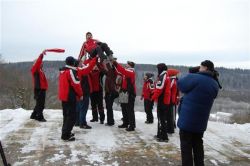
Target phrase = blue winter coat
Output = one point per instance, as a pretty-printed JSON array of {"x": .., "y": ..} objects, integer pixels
[{"x": 200, "y": 90}]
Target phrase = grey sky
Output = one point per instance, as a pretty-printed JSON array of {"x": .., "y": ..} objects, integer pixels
[{"x": 176, "y": 32}]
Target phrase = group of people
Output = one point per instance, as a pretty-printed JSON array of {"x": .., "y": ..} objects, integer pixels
[{"x": 81, "y": 80}]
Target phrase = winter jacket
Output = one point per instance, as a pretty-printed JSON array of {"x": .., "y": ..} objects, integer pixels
[
  {"x": 69, "y": 85},
  {"x": 128, "y": 79},
  {"x": 83, "y": 74},
  {"x": 173, "y": 86},
  {"x": 147, "y": 90},
  {"x": 162, "y": 89},
  {"x": 110, "y": 81},
  {"x": 88, "y": 46},
  {"x": 174, "y": 91},
  {"x": 95, "y": 80},
  {"x": 200, "y": 90},
  {"x": 38, "y": 76}
]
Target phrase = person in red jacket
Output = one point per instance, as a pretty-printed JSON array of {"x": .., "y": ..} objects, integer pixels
[
  {"x": 94, "y": 47},
  {"x": 69, "y": 92},
  {"x": 147, "y": 91},
  {"x": 85, "y": 80},
  {"x": 40, "y": 85},
  {"x": 162, "y": 96},
  {"x": 128, "y": 86},
  {"x": 174, "y": 100},
  {"x": 96, "y": 96}
]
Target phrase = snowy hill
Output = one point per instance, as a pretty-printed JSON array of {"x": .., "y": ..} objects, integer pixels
[{"x": 28, "y": 142}]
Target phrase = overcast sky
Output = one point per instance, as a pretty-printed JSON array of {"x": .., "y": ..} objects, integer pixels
[{"x": 177, "y": 32}]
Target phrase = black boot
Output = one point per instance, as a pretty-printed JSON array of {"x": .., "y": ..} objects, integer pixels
[
  {"x": 85, "y": 127},
  {"x": 33, "y": 115},
  {"x": 71, "y": 138},
  {"x": 130, "y": 129},
  {"x": 94, "y": 120},
  {"x": 40, "y": 118},
  {"x": 123, "y": 126}
]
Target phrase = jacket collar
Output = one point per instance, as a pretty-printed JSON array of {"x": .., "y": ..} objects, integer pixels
[
  {"x": 163, "y": 72},
  {"x": 130, "y": 68},
  {"x": 70, "y": 67},
  {"x": 207, "y": 73}
]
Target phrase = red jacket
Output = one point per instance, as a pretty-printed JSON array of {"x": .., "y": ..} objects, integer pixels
[
  {"x": 69, "y": 85},
  {"x": 173, "y": 85},
  {"x": 88, "y": 46},
  {"x": 84, "y": 75},
  {"x": 127, "y": 75},
  {"x": 174, "y": 91},
  {"x": 38, "y": 76},
  {"x": 147, "y": 90},
  {"x": 162, "y": 92},
  {"x": 95, "y": 80}
]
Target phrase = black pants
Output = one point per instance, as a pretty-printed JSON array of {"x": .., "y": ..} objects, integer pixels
[
  {"x": 69, "y": 118},
  {"x": 100, "y": 48},
  {"x": 162, "y": 126},
  {"x": 128, "y": 112},
  {"x": 191, "y": 148},
  {"x": 148, "y": 107},
  {"x": 109, "y": 100},
  {"x": 97, "y": 105},
  {"x": 170, "y": 119},
  {"x": 39, "y": 96}
]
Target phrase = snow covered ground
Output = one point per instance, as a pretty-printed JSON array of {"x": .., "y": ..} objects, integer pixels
[{"x": 28, "y": 142}]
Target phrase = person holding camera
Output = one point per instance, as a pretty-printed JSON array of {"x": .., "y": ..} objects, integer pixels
[{"x": 200, "y": 88}]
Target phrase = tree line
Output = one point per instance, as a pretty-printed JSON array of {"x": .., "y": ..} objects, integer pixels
[{"x": 16, "y": 85}]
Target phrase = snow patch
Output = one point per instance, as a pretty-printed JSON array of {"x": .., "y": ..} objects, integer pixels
[
  {"x": 12, "y": 120},
  {"x": 222, "y": 142}
]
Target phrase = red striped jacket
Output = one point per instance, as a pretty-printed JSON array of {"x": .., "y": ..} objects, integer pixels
[
  {"x": 69, "y": 84},
  {"x": 127, "y": 75},
  {"x": 162, "y": 91},
  {"x": 84, "y": 75}
]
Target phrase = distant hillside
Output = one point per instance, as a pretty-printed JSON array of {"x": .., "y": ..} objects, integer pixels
[{"x": 16, "y": 85}]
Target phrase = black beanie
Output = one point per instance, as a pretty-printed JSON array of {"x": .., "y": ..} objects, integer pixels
[
  {"x": 131, "y": 64},
  {"x": 209, "y": 64},
  {"x": 70, "y": 61},
  {"x": 149, "y": 75},
  {"x": 161, "y": 67}
]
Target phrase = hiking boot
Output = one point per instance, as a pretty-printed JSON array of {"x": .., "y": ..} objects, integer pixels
[
  {"x": 101, "y": 122},
  {"x": 130, "y": 129},
  {"x": 85, "y": 127},
  {"x": 33, "y": 116},
  {"x": 109, "y": 124},
  {"x": 123, "y": 126},
  {"x": 162, "y": 140},
  {"x": 94, "y": 120},
  {"x": 71, "y": 138},
  {"x": 41, "y": 120}
]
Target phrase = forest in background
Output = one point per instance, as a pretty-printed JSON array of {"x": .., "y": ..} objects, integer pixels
[{"x": 16, "y": 87}]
